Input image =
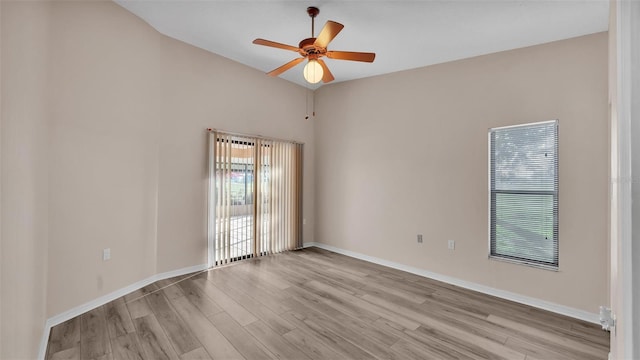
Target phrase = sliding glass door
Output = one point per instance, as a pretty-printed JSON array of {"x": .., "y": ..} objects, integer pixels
[{"x": 255, "y": 197}]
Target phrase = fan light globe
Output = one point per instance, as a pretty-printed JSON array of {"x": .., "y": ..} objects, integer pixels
[{"x": 313, "y": 72}]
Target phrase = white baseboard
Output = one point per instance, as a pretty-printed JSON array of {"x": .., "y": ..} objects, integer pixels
[
  {"x": 537, "y": 303},
  {"x": 81, "y": 309}
]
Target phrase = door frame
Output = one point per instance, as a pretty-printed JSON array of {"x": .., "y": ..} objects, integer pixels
[{"x": 624, "y": 128}]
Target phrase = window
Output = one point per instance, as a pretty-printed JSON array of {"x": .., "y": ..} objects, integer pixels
[{"x": 524, "y": 193}]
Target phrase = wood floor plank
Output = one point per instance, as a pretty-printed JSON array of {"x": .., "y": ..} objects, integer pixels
[
  {"x": 198, "y": 298},
  {"x": 265, "y": 277},
  {"x": 108, "y": 356},
  {"x": 475, "y": 340},
  {"x": 278, "y": 324},
  {"x": 171, "y": 281},
  {"x": 269, "y": 297},
  {"x": 153, "y": 340},
  {"x": 140, "y": 293},
  {"x": 413, "y": 290},
  {"x": 237, "y": 312},
  {"x": 409, "y": 350},
  {"x": 126, "y": 347},
  {"x": 590, "y": 333},
  {"x": 173, "y": 291},
  {"x": 310, "y": 345},
  {"x": 329, "y": 302},
  {"x": 348, "y": 328},
  {"x": 428, "y": 316},
  {"x": 136, "y": 301},
  {"x": 449, "y": 332},
  {"x": 346, "y": 349},
  {"x": 177, "y": 331},
  {"x": 323, "y": 275},
  {"x": 588, "y": 350},
  {"x": 368, "y": 329},
  {"x": 274, "y": 342},
  {"x": 197, "y": 354},
  {"x": 471, "y": 345},
  {"x": 65, "y": 336},
  {"x": 118, "y": 318},
  {"x": 208, "y": 335},
  {"x": 429, "y": 347},
  {"x": 532, "y": 349},
  {"x": 138, "y": 308},
  {"x": 94, "y": 337},
  {"x": 364, "y": 306},
  {"x": 244, "y": 342},
  {"x": 374, "y": 287},
  {"x": 68, "y": 354}
]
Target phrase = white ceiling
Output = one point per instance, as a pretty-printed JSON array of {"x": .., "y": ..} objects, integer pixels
[{"x": 403, "y": 34}]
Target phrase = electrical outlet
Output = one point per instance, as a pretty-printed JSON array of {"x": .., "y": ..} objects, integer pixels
[
  {"x": 304, "y": 221},
  {"x": 106, "y": 254},
  {"x": 451, "y": 244},
  {"x": 420, "y": 238}
]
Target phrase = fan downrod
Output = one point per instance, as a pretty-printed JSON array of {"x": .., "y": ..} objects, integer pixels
[{"x": 313, "y": 12}]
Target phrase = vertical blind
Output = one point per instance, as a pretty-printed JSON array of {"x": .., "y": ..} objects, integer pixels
[
  {"x": 524, "y": 193},
  {"x": 255, "y": 196}
]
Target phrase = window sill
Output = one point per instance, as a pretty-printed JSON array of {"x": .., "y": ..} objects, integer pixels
[{"x": 525, "y": 263}]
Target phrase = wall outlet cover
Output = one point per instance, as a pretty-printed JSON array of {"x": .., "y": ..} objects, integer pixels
[{"x": 106, "y": 254}]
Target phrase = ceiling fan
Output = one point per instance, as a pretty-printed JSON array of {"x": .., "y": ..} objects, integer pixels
[{"x": 314, "y": 49}]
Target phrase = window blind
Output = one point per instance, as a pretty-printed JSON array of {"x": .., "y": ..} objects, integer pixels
[
  {"x": 255, "y": 196},
  {"x": 524, "y": 193}
]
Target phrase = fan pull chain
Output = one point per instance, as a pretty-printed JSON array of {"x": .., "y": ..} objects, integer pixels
[{"x": 306, "y": 108}]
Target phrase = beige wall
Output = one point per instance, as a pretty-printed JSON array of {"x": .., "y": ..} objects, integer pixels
[
  {"x": 24, "y": 191},
  {"x": 128, "y": 146},
  {"x": 406, "y": 153}
]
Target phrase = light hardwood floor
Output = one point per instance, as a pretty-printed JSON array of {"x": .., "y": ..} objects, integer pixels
[{"x": 315, "y": 304}]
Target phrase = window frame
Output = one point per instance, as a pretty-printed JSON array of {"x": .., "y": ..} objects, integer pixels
[{"x": 556, "y": 193}]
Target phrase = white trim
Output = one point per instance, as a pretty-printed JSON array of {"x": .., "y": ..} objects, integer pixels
[
  {"x": 523, "y": 125},
  {"x": 625, "y": 222},
  {"x": 523, "y": 263},
  {"x": 81, "y": 309},
  {"x": 211, "y": 201},
  {"x": 537, "y": 303}
]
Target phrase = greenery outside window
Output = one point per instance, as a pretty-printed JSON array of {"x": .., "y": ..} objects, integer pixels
[{"x": 523, "y": 224}]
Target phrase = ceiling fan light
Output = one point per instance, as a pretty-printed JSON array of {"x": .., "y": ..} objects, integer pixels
[{"x": 313, "y": 72}]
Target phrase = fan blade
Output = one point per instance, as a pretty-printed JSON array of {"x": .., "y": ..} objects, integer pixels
[
  {"x": 275, "y": 44},
  {"x": 353, "y": 56},
  {"x": 327, "y": 76},
  {"x": 285, "y": 67},
  {"x": 329, "y": 31}
]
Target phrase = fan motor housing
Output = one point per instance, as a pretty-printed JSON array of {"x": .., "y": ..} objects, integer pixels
[{"x": 307, "y": 47}]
